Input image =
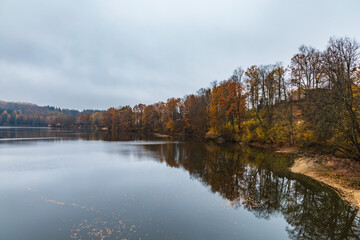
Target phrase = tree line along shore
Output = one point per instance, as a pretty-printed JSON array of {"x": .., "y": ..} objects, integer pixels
[{"x": 312, "y": 103}]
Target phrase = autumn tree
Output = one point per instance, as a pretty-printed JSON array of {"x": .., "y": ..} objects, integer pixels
[
  {"x": 138, "y": 111},
  {"x": 341, "y": 67},
  {"x": 95, "y": 119},
  {"x": 195, "y": 112},
  {"x": 227, "y": 106},
  {"x": 111, "y": 119},
  {"x": 150, "y": 119},
  {"x": 262, "y": 91},
  {"x": 173, "y": 115},
  {"x": 306, "y": 69},
  {"x": 84, "y": 119}
]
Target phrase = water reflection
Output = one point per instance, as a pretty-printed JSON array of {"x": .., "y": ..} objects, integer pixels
[
  {"x": 104, "y": 189},
  {"x": 28, "y": 134},
  {"x": 259, "y": 181},
  {"x": 54, "y": 134}
]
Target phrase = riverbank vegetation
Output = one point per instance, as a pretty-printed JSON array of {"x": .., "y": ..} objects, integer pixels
[{"x": 313, "y": 102}]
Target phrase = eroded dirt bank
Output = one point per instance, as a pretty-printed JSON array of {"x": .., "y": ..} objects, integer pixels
[{"x": 343, "y": 175}]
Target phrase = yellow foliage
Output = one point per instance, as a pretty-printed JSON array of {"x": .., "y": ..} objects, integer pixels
[
  {"x": 280, "y": 133},
  {"x": 304, "y": 135},
  {"x": 170, "y": 126},
  {"x": 261, "y": 134}
]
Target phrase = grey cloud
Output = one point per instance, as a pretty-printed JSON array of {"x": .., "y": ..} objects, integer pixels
[{"x": 103, "y": 53}]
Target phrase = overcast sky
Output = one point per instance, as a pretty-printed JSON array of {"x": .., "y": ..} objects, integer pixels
[{"x": 102, "y": 53}]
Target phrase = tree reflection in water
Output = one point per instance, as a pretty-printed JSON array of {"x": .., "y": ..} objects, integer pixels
[
  {"x": 260, "y": 182},
  {"x": 254, "y": 179}
]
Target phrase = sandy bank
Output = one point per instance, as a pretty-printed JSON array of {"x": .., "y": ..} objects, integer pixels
[
  {"x": 343, "y": 175},
  {"x": 161, "y": 135}
]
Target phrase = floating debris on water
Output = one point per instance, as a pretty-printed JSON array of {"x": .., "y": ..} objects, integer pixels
[{"x": 100, "y": 227}]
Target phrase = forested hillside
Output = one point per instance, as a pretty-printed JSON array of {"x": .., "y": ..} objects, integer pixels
[
  {"x": 312, "y": 102},
  {"x": 26, "y": 114}
]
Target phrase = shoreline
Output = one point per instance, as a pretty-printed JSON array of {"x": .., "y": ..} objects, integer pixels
[{"x": 340, "y": 174}]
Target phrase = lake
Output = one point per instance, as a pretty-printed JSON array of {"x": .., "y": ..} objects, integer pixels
[{"x": 64, "y": 184}]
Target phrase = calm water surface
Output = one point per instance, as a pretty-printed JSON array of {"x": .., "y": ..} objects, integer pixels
[{"x": 74, "y": 185}]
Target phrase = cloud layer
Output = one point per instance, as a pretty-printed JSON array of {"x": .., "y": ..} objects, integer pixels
[{"x": 103, "y": 53}]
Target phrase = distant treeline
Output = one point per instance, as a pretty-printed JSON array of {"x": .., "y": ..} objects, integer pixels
[
  {"x": 26, "y": 114},
  {"x": 313, "y": 102}
]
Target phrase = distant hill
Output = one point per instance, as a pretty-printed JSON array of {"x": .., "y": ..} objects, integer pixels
[
  {"x": 28, "y": 114},
  {"x": 29, "y": 108}
]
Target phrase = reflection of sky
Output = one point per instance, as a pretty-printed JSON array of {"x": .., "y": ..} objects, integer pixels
[{"x": 114, "y": 185}]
